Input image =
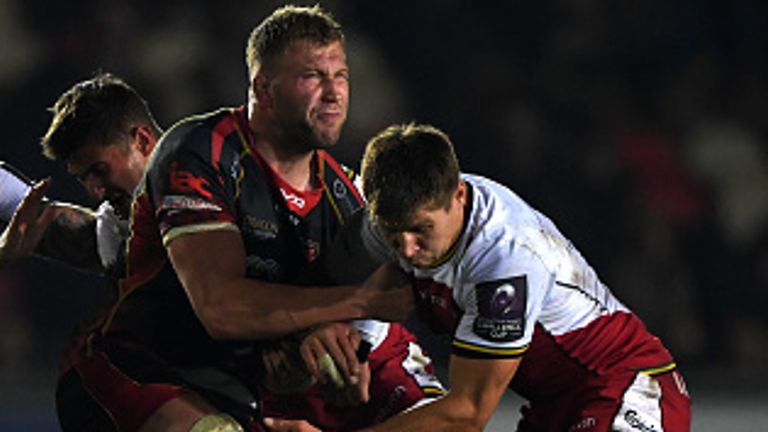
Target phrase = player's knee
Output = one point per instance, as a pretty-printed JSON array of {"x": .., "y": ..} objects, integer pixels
[{"x": 216, "y": 423}]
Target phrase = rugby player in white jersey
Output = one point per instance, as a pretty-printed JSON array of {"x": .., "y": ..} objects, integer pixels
[{"x": 523, "y": 307}]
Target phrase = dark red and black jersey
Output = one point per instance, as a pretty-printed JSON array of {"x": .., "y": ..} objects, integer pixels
[{"x": 205, "y": 175}]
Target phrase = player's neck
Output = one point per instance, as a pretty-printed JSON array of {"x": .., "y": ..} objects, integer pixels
[
  {"x": 293, "y": 165},
  {"x": 466, "y": 212},
  {"x": 294, "y": 168}
]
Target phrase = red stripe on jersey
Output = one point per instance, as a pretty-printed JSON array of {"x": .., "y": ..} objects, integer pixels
[
  {"x": 127, "y": 402},
  {"x": 221, "y": 131},
  {"x": 299, "y": 202},
  {"x": 327, "y": 160}
]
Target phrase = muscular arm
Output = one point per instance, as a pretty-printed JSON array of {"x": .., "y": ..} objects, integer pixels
[
  {"x": 61, "y": 231},
  {"x": 211, "y": 267}
]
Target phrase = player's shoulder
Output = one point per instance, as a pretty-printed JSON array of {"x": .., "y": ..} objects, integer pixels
[
  {"x": 340, "y": 177},
  {"x": 338, "y": 167},
  {"x": 497, "y": 213},
  {"x": 492, "y": 198},
  {"x": 191, "y": 138},
  {"x": 500, "y": 228},
  {"x": 195, "y": 131}
]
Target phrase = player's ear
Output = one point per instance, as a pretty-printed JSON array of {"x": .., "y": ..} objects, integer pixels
[
  {"x": 460, "y": 195},
  {"x": 144, "y": 139},
  {"x": 260, "y": 88}
]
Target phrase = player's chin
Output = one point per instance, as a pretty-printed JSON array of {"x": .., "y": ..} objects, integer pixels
[
  {"x": 422, "y": 262},
  {"x": 328, "y": 127},
  {"x": 327, "y": 138}
]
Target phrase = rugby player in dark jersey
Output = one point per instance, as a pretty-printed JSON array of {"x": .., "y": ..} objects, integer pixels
[{"x": 233, "y": 206}]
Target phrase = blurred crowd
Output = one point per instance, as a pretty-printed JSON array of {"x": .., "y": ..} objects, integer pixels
[{"x": 638, "y": 127}]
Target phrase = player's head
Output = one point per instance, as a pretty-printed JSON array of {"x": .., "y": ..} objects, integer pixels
[
  {"x": 103, "y": 129},
  {"x": 411, "y": 181},
  {"x": 298, "y": 77}
]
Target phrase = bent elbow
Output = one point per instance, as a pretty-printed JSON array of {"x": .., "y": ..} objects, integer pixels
[
  {"x": 216, "y": 315},
  {"x": 470, "y": 418},
  {"x": 219, "y": 321},
  {"x": 474, "y": 424},
  {"x": 216, "y": 325}
]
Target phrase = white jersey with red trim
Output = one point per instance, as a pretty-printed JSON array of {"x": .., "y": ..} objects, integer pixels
[{"x": 515, "y": 285}]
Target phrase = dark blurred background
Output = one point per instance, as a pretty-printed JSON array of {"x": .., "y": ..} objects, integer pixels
[{"x": 637, "y": 126}]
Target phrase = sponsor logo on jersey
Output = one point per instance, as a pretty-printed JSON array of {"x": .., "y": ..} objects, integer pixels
[
  {"x": 339, "y": 189},
  {"x": 633, "y": 419},
  {"x": 293, "y": 200},
  {"x": 313, "y": 249},
  {"x": 184, "y": 202},
  {"x": 184, "y": 182},
  {"x": 260, "y": 228},
  {"x": 501, "y": 308},
  {"x": 586, "y": 423}
]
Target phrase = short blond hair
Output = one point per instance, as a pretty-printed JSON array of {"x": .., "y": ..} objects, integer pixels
[{"x": 285, "y": 25}]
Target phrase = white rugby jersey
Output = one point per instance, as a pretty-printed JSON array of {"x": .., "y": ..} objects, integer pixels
[{"x": 515, "y": 286}]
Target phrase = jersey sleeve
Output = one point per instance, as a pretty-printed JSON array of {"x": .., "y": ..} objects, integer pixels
[
  {"x": 187, "y": 188},
  {"x": 502, "y": 302}
]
